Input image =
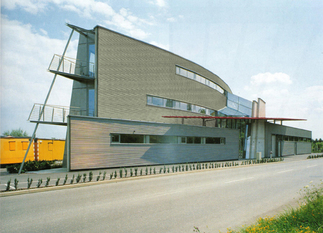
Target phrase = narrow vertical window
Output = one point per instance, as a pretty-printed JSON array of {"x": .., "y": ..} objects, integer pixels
[
  {"x": 91, "y": 59},
  {"x": 91, "y": 102}
]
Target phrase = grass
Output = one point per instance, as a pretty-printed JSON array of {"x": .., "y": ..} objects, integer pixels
[{"x": 308, "y": 217}]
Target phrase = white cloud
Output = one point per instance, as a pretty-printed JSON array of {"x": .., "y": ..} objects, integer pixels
[
  {"x": 269, "y": 78},
  {"x": 31, "y": 6},
  {"x": 284, "y": 100},
  {"x": 171, "y": 19},
  {"x": 25, "y": 79},
  {"x": 166, "y": 47},
  {"x": 161, "y": 3},
  {"x": 90, "y": 9}
]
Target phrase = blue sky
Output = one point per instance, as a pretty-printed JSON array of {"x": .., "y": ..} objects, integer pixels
[{"x": 267, "y": 49}]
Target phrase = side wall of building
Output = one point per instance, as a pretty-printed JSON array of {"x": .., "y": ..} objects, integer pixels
[
  {"x": 283, "y": 147},
  {"x": 129, "y": 70},
  {"x": 90, "y": 144}
]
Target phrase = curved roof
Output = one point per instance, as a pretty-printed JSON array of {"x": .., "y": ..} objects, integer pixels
[{"x": 224, "y": 85}]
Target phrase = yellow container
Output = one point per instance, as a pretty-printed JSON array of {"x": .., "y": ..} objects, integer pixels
[
  {"x": 13, "y": 150},
  {"x": 51, "y": 149}
]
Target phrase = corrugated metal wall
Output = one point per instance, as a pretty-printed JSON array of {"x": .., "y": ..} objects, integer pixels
[{"x": 90, "y": 144}]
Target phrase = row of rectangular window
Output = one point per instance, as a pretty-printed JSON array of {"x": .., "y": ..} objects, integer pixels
[
  {"x": 293, "y": 138},
  {"x": 145, "y": 139},
  {"x": 169, "y": 103},
  {"x": 198, "y": 78}
]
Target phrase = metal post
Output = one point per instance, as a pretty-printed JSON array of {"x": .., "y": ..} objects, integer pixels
[{"x": 41, "y": 113}]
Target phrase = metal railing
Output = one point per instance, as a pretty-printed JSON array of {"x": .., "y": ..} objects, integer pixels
[
  {"x": 71, "y": 66},
  {"x": 52, "y": 113}
]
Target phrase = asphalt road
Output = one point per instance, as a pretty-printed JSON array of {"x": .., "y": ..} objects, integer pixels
[{"x": 212, "y": 200}]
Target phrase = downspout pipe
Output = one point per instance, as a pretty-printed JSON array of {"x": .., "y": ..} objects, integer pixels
[{"x": 43, "y": 109}]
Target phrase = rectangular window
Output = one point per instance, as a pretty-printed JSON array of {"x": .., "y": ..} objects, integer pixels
[
  {"x": 131, "y": 138},
  {"x": 197, "y": 140},
  {"x": 183, "y": 106},
  {"x": 183, "y": 72},
  {"x": 115, "y": 138},
  {"x": 178, "y": 70},
  {"x": 212, "y": 140},
  {"x": 149, "y": 99},
  {"x": 190, "y": 75},
  {"x": 158, "y": 101},
  {"x": 177, "y": 105},
  {"x": 12, "y": 146},
  {"x": 181, "y": 140},
  {"x": 169, "y": 103},
  {"x": 162, "y": 139},
  {"x": 190, "y": 140}
]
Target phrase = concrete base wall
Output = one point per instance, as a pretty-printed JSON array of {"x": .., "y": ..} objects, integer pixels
[{"x": 90, "y": 147}]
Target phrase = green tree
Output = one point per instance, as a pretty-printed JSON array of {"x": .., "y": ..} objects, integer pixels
[{"x": 16, "y": 133}]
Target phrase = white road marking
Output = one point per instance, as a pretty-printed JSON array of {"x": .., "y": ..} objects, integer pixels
[
  {"x": 311, "y": 166},
  {"x": 286, "y": 171},
  {"x": 232, "y": 181}
]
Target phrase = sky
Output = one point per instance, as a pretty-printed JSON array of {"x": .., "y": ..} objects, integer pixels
[{"x": 271, "y": 50}]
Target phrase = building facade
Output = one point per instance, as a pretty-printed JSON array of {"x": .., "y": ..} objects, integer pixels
[{"x": 133, "y": 103}]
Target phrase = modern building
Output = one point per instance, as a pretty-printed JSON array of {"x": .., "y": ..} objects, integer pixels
[{"x": 133, "y": 103}]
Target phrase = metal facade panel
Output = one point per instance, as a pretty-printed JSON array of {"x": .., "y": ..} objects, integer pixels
[
  {"x": 90, "y": 144},
  {"x": 304, "y": 148},
  {"x": 288, "y": 148}
]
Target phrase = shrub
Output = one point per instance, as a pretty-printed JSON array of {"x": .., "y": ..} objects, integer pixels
[
  {"x": 140, "y": 172},
  {"x": 16, "y": 183},
  {"x": 8, "y": 185},
  {"x": 131, "y": 173},
  {"x": 57, "y": 181},
  {"x": 98, "y": 177},
  {"x": 40, "y": 181},
  {"x": 125, "y": 172},
  {"x": 90, "y": 176},
  {"x": 64, "y": 182},
  {"x": 120, "y": 173},
  {"x": 72, "y": 180},
  {"x": 31, "y": 166},
  {"x": 84, "y": 177},
  {"x": 146, "y": 171},
  {"x": 29, "y": 182},
  {"x": 115, "y": 174},
  {"x": 47, "y": 181},
  {"x": 78, "y": 178},
  {"x": 136, "y": 171},
  {"x": 105, "y": 173}
]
